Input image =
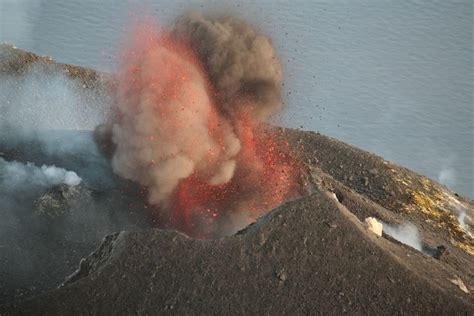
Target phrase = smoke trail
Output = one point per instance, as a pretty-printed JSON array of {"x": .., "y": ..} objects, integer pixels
[{"x": 45, "y": 99}]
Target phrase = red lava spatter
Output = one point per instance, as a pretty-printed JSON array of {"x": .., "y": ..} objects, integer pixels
[{"x": 265, "y": 173}]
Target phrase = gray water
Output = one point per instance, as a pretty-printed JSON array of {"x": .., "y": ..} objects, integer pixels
[{"x": 393, "y": 77}]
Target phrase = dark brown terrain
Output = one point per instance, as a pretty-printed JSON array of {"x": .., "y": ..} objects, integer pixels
[{"x": 312, "y": 255}]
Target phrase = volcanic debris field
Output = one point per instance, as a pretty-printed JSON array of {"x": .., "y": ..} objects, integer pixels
[{"x": 75, "y": 237}]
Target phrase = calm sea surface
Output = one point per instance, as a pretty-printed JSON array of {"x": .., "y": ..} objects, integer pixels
[{"x": 393, "y": 77}]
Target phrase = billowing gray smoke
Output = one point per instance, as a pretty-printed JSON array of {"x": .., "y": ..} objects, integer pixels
[
  {"x": 176, "y": 121},
  {"x": 240, "y": 62}
]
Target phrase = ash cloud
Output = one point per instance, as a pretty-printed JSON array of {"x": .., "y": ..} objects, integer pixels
[
  {"x": 241, "y": 63},
  {"x": 165, "y": 110},
  {"x": 189, "y": 103}
]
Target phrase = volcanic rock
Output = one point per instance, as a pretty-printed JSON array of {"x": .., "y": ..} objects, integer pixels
[
  {"x": 56, "y": 201},
  {"x": 374, "y": 226}
]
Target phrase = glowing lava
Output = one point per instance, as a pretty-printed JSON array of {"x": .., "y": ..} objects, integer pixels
[{"x": 208, "y": 173}]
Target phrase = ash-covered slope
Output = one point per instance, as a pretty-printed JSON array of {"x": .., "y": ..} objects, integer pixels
[{"x": 309, "y": 255}]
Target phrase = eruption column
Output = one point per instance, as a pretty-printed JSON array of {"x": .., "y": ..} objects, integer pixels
[{"x": 189, "y": 125}]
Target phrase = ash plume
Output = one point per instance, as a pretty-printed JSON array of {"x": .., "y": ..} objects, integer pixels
[
  {"x": 167, "y": 128},
  {"x": 241, "y": 63},
  {"x": 189, "y": 103}
]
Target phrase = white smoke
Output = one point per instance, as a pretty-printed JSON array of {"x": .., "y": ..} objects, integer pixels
[
  {"x": 447, "y": 174},
  {"x": 15, "y": 174},
  {"x": 447, "y": 177},
  {"x": 44, "y": 112},
  {"x": 406, "y": 233},
  {"x": 462, "y": 219},
  {"x": 45, "y": 99},
  {"x": 461, "y": 210}
]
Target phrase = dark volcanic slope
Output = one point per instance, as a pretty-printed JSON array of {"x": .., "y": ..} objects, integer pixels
[
  {"x": 402, "y": 194},
  {"x": 311, "y": 256}
]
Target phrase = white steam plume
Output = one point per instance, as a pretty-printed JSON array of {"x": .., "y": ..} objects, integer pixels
[
  {"x": 16, "y": 174},
  {"x": 462, "y": 219},
  {"x": 45, "y": 99},
  {"x": 447, "y": 177},
  {"x": 44, "y": 117},
  {"x": 406, "y": 233}
]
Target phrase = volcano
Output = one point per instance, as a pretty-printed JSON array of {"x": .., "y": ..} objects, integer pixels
[{"x": 311, "y": 254}]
